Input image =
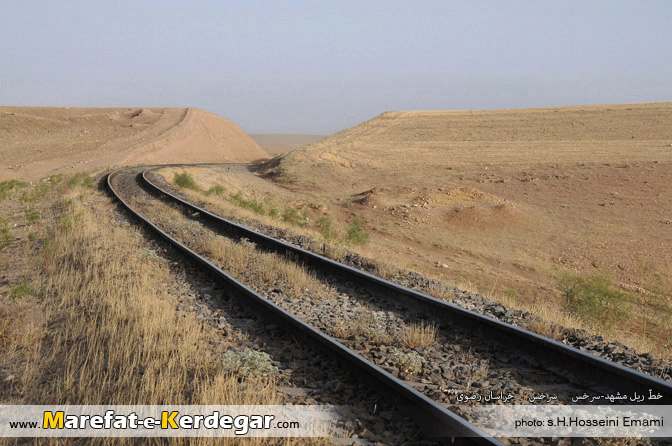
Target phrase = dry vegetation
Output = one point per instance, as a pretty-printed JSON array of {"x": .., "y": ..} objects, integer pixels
[
  {"x": 81, "y": 324},
  {"x": 512, "y": 204},
  {"x": 300, "y": 216},
  {"x": 240, "y": 259},
  {"x": 419, "y": 334},
  {"x": 559, "y": 211}
]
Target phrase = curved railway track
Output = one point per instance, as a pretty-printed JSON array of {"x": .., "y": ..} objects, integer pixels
[{"x": 434, "y": 419}]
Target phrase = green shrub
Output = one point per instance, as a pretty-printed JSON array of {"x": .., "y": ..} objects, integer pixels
[
  {"x": 87, "y": 181},
  {"x": 32, "y": 215},
  {"x": 356, "y": 234},
  {"x": 56, "y": 178},
  {"x": 6, "y": 187},
  {"x": 326, "y": 227},
  {"x": 215, "y": 190},
  {"x": 65, "y": 221},
  {"x": 292, "y": 216},
  {"x": 20, "y": 289},
  {"x": 81, "y": 179},
  {"x": 5, "y": 234},
  {"x": 252, "y": 204},
  {"x": 32, "y": 194},
  {"x": 32, "y": 236},
  {"x": 48, "y": 250},
  {"x": 592, "y": 298},
  {"x": 185, "y": 180}
]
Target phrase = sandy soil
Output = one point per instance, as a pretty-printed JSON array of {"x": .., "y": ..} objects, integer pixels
[
  {"x": 279, "y": 144},
  {"x": 35, "y": 142},
  {"x": 499, "y": 201}
]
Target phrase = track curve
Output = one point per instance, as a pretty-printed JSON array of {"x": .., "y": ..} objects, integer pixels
[
  {"x": 434, "y": 420},
  {"x": 556, "y": 356}
]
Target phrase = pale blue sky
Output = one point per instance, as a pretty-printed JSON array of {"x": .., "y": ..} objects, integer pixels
[{"x": 321, "y": 66}]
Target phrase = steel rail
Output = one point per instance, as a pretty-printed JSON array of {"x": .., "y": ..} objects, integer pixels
[
  {"x": 434, "y": 420},
  {"x": 556, "y": 356}
]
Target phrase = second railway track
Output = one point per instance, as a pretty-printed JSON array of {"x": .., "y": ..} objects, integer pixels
[{"x": 510, "y": 353}]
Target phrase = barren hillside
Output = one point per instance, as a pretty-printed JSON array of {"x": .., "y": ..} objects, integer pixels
[
  {"x": 503, "y": 202},
  {"x": 438, "y": 140},
  {"x": 35, "y": 142},
  {"x": 279, "y": 144}
]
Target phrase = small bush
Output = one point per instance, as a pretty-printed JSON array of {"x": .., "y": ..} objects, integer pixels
[
  {"x": 5, "y": 234},
  {"x": 185, "y": 180},
  {"x": 249, "y": 364},
  {"x": 215, "y": 190},
  {"x": 355, "y": 327},
  {"x": 87, "y": 181},
  {"x": 6, "y": 187},
  {"x": 65, "y": 221},
  {"x": 421, "y": 334},
  {"x": 150, "y": 254},
  {"x": 593, "y": 298},
  {"x": 81, "y": 179},
  {"x": 326, "y": 227},
  {"x": 252, "y": 204},
  {"x": 356, "y": 234},
  {"x": 32, "y": 215},
  {"x": 56, "y": 178},
  {"x": 20, "y": 289},
  {"x": 291, "y": 215},
  {"x": 407, "y": 362},
  {"x": 247, "y": 243},
  {"x": 48, "y": 250},
  {"x": 31, "y": 195},
  {"x": 32, "y": 236}
]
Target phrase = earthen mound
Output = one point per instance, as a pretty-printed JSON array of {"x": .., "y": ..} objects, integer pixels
[{"x": 39, "y": 141}]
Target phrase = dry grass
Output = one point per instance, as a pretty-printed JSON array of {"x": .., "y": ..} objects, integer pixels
[
  {"x": 551, "y": 317},
  {"x": 365, "y": 326},
  {"x": 101, "y": 329},
  {"x": 335, "y": 246},
  {"x": 240, "y": 259},
  {"x": 419, "y": 334}
]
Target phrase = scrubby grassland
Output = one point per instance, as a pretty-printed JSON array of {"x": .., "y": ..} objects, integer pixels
[
  {"x": 640, "y": 316},
  {"x": 561, "y": 211},
  {"x": 305, "y": 216},
  {"x": 86, "y": 318}
]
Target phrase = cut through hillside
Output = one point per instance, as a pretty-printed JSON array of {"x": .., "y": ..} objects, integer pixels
[{"x": 40, "y": 141}]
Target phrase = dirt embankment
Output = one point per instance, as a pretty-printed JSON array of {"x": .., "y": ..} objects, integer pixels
[
  {"x": 279, "y": 144},
  {"x": 503, "y": 201},
  {"x": 39, "y": 141}
]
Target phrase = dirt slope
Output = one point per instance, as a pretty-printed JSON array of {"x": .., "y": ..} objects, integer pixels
[
  {"x": 407, "y": 140},
  {"x": 279, "y": 144},
  {"x": 500, "y": 201},
  {"x": 36, "y": 141}
]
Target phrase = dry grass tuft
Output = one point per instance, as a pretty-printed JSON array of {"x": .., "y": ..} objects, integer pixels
[
  {"x": 420, "y": 334},
  {"x": 365, "y": 326},
  {"x": 544, "y": 328}
]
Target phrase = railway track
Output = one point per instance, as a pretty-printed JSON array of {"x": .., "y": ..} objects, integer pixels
[{"x": 434, "y": 418}]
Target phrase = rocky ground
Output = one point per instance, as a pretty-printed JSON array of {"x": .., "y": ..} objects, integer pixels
[{"x": 454, "y": 364}]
